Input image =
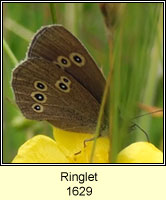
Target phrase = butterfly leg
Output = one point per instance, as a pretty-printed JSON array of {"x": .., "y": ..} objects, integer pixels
[{"x": 88, "y": 140}]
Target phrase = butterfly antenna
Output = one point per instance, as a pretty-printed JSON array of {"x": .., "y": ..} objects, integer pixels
[
  {"x": 136, "y": 125},
  {"x": 148, "y": 113}
]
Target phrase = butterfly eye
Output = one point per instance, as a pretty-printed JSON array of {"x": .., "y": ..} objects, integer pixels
[
  {"x": 39, "y": 97},
  {"x": 63, "y": 61},
  {"x": 77, "y": 59},
  {"x": 37, "y": 108},
  {"x": 39, "y": 85}
]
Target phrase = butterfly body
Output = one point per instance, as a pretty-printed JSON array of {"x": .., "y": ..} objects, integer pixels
[{"x": 59, "y": 82}]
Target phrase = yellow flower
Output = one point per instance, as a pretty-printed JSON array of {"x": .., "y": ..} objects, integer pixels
[
  {"x": 140, "y": 152},
  {"x": 68, "y": 147}
]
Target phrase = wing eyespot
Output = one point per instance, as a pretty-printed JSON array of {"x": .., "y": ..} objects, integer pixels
[
  {"x": 77, "y": 59},
  {"x": 40, "y": 85},
  {"x": 37, "y": 108},
  {"x": 39, "y": 97},
  {"x": 63, "y": 84},
  {"x": 63, "y": 61},
  {"x": 65, "y": 79}
]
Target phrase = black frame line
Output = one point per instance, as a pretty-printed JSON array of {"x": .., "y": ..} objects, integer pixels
[{"x": 82, "y": 164}]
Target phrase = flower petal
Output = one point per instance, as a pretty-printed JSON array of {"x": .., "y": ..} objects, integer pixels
[
  {"x": 140, "y": 152},
  {"x": 101, "y": 154},
  {"x": 40, "y": 149},
  {"x": 70, "y": 142}
]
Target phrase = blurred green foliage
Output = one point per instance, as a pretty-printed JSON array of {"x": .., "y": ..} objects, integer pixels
[{"x": 137, "y": 62}]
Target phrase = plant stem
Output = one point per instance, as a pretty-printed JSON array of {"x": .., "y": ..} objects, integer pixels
[
  {"x": 9, "y": 52},
  {"x": 103, "y": 104},
  {"x": 70, "y": 17},
  {"x": 53, "y": 13},
  {"x": 18, "y": 29}
]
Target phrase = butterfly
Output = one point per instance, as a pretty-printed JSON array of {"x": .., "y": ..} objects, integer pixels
[{"x": 59, "y": 82}]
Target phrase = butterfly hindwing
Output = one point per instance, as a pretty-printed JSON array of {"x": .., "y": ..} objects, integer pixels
[{"x": 43, "y": 91}]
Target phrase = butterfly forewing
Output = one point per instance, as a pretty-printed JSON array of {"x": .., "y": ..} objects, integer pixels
[{"x": 56, "y": 44}]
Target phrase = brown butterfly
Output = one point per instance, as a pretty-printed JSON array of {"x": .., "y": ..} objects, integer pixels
[{"x": 59, "y": 82}]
